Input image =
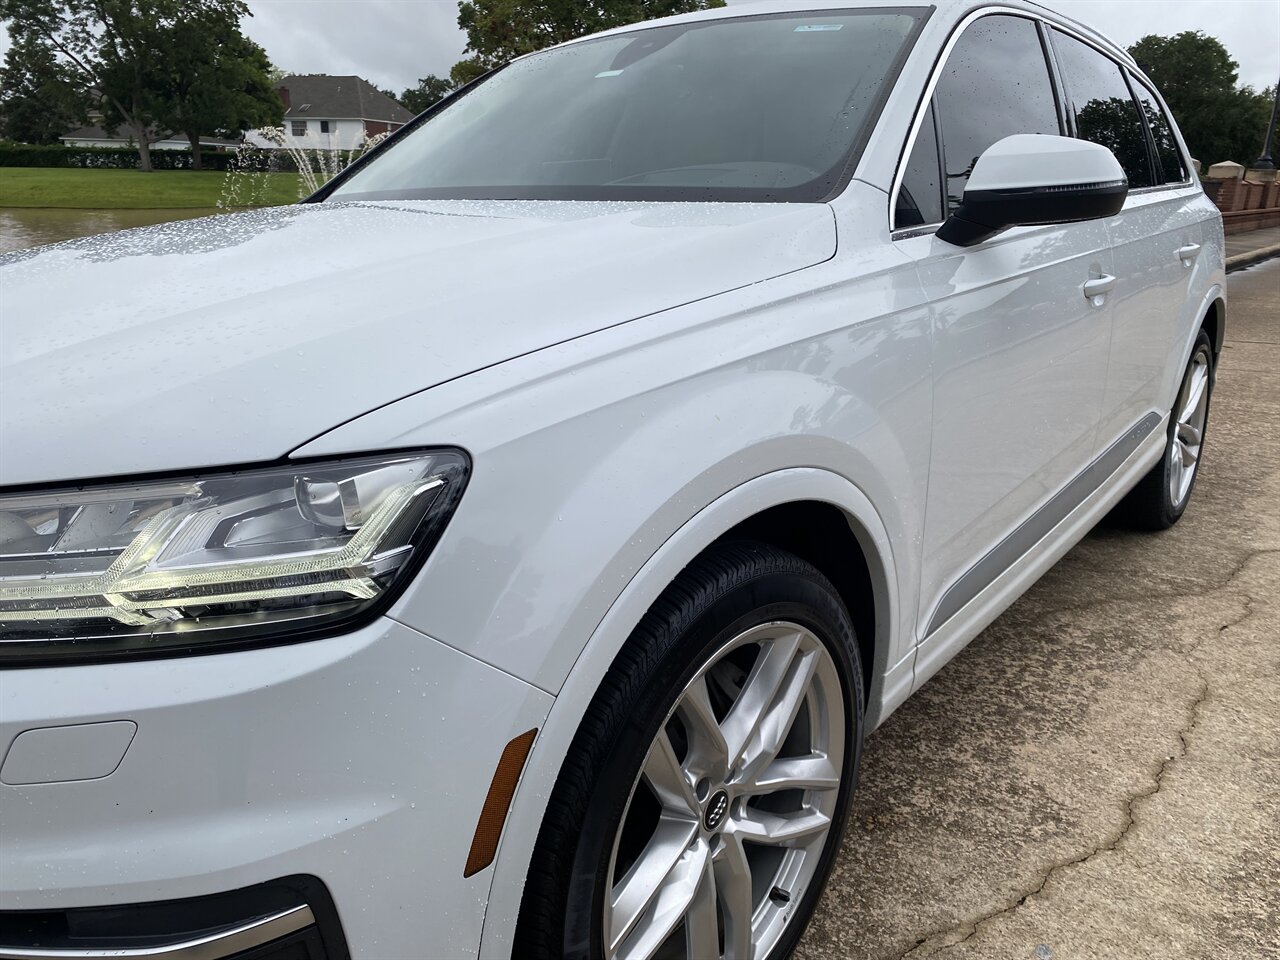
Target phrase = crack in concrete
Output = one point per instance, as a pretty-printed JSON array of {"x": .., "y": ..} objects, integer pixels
[
  {"x": 972, "y": 928},
  {"x": 1248, "y": 612},
  {"x": 921, "y": 948},
  {"x": 1103, "y": 603}
]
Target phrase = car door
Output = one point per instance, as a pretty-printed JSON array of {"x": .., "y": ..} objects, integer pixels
[
  {"x": 1019, "y": 353},
  {"x": 1155, "y": 238}
]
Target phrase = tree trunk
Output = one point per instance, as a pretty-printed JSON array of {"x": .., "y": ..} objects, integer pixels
[
  {"x": 144, "y": 146},
  {"x": 195, "y": 151}
]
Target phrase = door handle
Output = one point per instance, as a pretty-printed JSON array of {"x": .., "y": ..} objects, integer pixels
[
  {"x": 1098, "y": 288},
  {"x": 1188, "y": 253}
]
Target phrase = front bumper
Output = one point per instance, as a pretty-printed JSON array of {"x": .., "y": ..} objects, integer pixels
[
  {"x": 288, "y": 919},
  {"x": 361, "y": 760}
]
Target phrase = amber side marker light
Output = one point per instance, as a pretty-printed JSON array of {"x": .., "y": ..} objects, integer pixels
[{"x": 493, "y": 815}]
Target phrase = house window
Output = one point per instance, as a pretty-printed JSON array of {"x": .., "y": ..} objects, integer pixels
[
  {"x": 299, "y": 128},
  {"x": 324, "y": 126}
]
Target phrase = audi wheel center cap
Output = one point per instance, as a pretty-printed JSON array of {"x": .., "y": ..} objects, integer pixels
[{"x": 717, "y": 807}]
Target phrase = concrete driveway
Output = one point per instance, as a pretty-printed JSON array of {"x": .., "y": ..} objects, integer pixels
[{"x": 1098, "y": 774}]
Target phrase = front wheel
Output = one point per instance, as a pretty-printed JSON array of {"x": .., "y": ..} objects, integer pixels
[{"x": 702, "y": 802}]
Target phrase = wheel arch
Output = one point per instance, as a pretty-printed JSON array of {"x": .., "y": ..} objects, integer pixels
[
  {"x": 1211, "y": 316},
  {"x": 809, "y": 511},
  {"x": 1214, "y": 322},
  {"x": 823, "y": 535}
]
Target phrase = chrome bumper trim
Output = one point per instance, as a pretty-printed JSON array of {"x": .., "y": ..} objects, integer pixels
[{"x": 213, "y": 946}]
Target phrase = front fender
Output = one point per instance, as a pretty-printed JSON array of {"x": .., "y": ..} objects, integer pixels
[
  {"x": 890, "y": 686},
  {"x": 603, "y": 465},
  {"x": 590, "y": 455}
]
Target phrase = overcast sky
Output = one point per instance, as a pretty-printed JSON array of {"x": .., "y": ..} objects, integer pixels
[{"x": 394, "y": 42}]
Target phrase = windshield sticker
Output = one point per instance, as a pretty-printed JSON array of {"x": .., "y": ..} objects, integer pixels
[
  {"x": 608, "y": 73},
  {"x": 817, "y": 27}
]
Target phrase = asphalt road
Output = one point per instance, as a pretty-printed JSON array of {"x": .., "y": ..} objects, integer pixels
[{"x": 1098, "y": 774}]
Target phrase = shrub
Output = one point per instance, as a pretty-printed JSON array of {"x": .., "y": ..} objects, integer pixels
[{"x": 105, "y": 158}]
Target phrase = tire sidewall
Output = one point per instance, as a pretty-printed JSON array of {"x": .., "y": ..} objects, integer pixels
[
  {"x": 1174, "y": 511},
  {"x": 807, "y": 601}
]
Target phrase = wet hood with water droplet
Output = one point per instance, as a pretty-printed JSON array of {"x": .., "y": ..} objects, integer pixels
[{"x": 235, "y": 339}]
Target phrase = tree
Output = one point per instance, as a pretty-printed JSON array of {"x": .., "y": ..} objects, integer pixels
[
  {"x": 1219, "y": 119},
  {"x": 1115, "y": 124},
  {"x": 39, "y": 97},
  {"x": 122, "y": 51},
  {"x": 429, "y": 91},
  {"x": 500, "y": 30},
  {"x": 219, "y": 81}
]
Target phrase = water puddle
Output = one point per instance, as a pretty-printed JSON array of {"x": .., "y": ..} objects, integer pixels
[{"x": 22, "y": 227}]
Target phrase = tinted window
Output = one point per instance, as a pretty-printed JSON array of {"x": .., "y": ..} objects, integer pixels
[
  {"x": 756, "y": 108},
  {"x": 1104, "y": 111},
  {"x": 920, "y": 196},
  {"x": 1167, "y": 152},
  {"x": 995, "y": 84}
]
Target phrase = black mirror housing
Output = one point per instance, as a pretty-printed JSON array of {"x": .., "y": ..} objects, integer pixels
[
  {"x": 1030, "y": 179},
  {"x": 984, "y": 213}
]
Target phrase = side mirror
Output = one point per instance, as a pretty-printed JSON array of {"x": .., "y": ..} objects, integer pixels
[{"x": 1031, "y": 179}]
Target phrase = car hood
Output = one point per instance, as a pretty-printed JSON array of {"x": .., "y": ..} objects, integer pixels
[{"x": 236, "y": 338}]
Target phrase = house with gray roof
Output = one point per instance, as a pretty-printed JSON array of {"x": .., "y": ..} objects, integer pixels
[
  {"x": 339, "y": 113},
  {"x": 95, "y": 135}
]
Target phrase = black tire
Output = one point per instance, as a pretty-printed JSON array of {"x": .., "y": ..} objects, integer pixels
[
  {"x": 730, "y": 588},
  {"x": 1150, "y": 504}
]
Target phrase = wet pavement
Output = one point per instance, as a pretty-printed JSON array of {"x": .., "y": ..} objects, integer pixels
[
  {"x": 22, "y": 227},
  {"x": 1241, "y": 243},
  {"x": 1098, "y": 774}
]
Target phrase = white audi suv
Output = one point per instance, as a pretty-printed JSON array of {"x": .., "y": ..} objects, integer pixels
[{"x": 506, "y": 551}]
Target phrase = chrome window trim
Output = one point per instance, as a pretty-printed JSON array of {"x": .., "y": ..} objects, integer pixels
[
  {"x": 921, "y": 106},
  {"x": 1142, "y": 80},
  {"x": 1161, "y": 188},
  {"x": 211, "y": 946},
  {"x": 925, "y": 229},
  {"x": 1047, "y": 19},
  {"x": 920, "y": 230}
]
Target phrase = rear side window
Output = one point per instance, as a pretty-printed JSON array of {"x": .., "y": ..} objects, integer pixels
[
  {"x": 920, "y": 196},
  {"x": 995, "y": 84},
  {"x": 1103, "y": 109},
  {"x": 1169, "y": 157}
]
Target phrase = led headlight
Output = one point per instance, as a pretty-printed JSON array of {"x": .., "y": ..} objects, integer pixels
[{"x": 251, "y": 556}]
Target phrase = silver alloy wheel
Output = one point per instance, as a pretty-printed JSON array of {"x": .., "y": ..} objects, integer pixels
[
  {"x": 726, "y": 823},
  {"x": 1191, "y": 413}
]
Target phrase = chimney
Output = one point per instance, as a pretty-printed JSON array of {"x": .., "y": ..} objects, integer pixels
[{"x": 284, "y": 98}]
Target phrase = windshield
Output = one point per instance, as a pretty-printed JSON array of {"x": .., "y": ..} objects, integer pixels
[{"x": 754, "y": 108}]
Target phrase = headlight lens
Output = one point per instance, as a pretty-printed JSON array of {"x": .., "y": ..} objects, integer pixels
[{"x": 232, "y": 558}]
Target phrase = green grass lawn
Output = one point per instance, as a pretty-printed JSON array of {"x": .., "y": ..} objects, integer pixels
[{"x": 127, "y": 189}]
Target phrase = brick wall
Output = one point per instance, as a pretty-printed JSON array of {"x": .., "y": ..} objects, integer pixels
[
  {"x": 1243, "y": 194},
  {"x": 1245, "y": 204}
]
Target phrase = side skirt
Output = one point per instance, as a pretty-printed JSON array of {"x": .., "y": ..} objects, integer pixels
[{"x": 988, "y": 588}]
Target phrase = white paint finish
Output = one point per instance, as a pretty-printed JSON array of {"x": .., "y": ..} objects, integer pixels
[
  {"x": 954, "y": 635},
  {"x": 771, "y": 364},
  {"x": 1027, "y": 160},
  {"x": 362, "y": 760},
  {"x": 1155, "y": 300},
  {"x": 236, "y": 338},
  {"x": 1019, "y": 366},
  {"x": 619, "y": 439},
  {"x": 81, "y": 751},
  {"x": 669, "y": 559}
]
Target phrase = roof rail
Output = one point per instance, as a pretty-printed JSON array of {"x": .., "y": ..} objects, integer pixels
[{"x": 1098, "y": 38}]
